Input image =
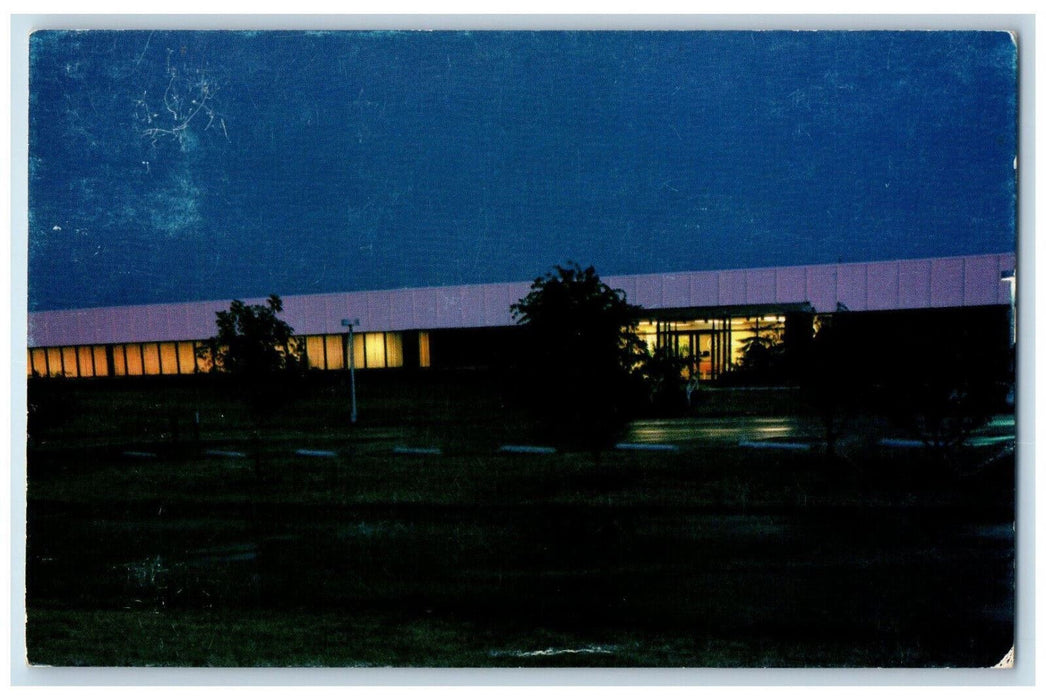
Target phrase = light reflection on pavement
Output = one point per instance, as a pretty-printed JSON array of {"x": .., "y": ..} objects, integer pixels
[
  {"x": 720, "y": 430},
  {"x": 734, "y": 429}
]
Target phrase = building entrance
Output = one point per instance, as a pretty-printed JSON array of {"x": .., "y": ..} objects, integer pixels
[{"x": 712, "y": 346}]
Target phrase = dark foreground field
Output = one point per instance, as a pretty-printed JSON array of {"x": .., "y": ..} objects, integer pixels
[{"x": 150, "y": 545}]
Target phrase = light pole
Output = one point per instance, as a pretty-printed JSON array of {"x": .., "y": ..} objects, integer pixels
[{"x": 351, "y": 324}]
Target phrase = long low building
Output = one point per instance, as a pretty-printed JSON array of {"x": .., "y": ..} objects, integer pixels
[{"x": 706, "y": 315}]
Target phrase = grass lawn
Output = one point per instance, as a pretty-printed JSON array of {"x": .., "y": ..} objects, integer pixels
[{"x": 147, "y": 547}]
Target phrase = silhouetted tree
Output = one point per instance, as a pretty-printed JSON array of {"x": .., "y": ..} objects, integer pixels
[
  {"x": 581, "y": 357},
  {"x": 259, "y": 353},
  {"x": 950, "y": 387},
  {"x": 762, "y": 356},
  {"x": 832, "y": 380},
  {"x": 663, "y": 373}
]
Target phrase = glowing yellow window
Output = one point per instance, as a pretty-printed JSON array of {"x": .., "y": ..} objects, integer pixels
[
  {"x": 314, "y": 351},
  {"x": 375, "y": 343},
  {"x": 54, "y": 361},
  {"x": 101, "y": 364},
  {"x": 86, "y": 360},
  {"x": 335, "y": 351},
  {"x": 359, "y": 357},
  {"x": 151, "y": 358},
  {"x": 39, "y": 357},
  {"x": 133, "y": 351},
  {"x": 651, "y": 341},
  {"x": 168, "y": 358},
  {"x": 423, "y": 350},
  {"x": 119, "y": 361},
  {"x": 394, "y": 349},
  {"x": 69, "y": 362},
  {"x": 186, "y": 358}
]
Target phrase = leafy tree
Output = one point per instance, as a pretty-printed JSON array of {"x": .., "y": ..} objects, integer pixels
[
  {"x": 762, "y": 357},
  {"x": 760, "y": 353},
  {"x": 663, "y": 373},
  {"x": 251, "y": 340},
  {"x": 581, "y": 356},
  {"x": 259, "y": 353},
  {"x": 936, "y": 377},
  {"x": 832, "y": 380},
  {"x": 951, "y": 386}
]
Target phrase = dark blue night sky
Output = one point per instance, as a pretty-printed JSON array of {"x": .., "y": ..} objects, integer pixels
[{"x": 173, "y": 166}]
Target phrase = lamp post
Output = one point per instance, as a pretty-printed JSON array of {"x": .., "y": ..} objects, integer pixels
[{"x": 351, "y": 324}]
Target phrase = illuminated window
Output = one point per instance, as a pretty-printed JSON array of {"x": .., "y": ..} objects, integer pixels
[
  {"x": 101, "y": 363},
  {"x": 737, "y": 347},
  {"x": 39, "y": 356},
  {"x": 186, "y": 358},
  {"x": 168, "y": 358},
  {"x": 651, "y": 341},
  {"x": 423, "y": 350},
  {"x": 744, "y": 331},
  {"x": 394, "y": 349},
  {"x": 133, "y": 353},
  {"x": 86, "y": 360},
  {"x": 119, "y": 361},
  {"x": 375, "y": 349},
  {"x": 314, "y": 351},
  {"x": 54, "y": 361},
  {"x": 151, "y": 358},
  {"x": 335, "y": 352},
  {"x": 646, "y": 328},
  {"x": 69, "y": 362},
  {"x": 358, "y": 356}
]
